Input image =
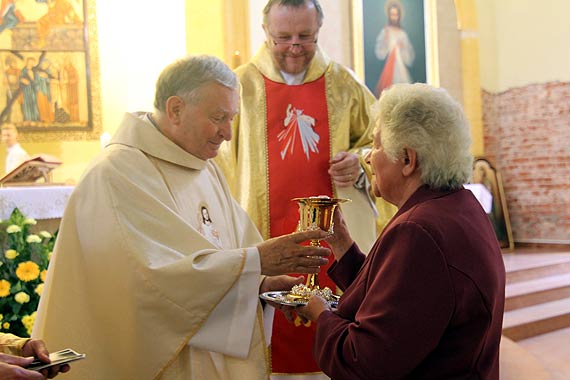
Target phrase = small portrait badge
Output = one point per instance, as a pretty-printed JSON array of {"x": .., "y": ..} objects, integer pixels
[{"x": 206, "y": 227}]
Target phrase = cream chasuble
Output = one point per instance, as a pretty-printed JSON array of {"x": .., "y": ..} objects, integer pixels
[
  {"x": 282, "y": 142},
  {"x": 147, "y": 277}
]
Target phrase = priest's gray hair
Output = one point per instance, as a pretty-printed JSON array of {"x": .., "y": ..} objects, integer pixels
[
  {"x": 185, "y": 76},
  {"x": 429, "y": 121},
  {"x": 294, "y": 4}
]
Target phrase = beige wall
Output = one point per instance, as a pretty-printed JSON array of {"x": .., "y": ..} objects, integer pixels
[
  {"x": 523, "y": 42},
  {"x": 205, "y": 27}
]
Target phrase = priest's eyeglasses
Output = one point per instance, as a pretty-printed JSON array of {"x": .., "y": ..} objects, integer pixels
[{"x": 287, "y": 42}]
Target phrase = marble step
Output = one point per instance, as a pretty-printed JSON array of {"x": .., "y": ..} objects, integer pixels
[
  {"x": 525, "y": 267},
  {"x": 538, "y": 319},
  {"x": 532, "y": 292}
]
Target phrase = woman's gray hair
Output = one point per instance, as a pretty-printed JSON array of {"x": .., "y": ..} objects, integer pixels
[
  {"x": 429, "y": 121},
  {"x": 183, "y": 77},
  {"x": 294, "y": 4}
]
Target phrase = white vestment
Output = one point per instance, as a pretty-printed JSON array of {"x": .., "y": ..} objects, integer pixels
[
  {"x": 15, "y": 156},
  {"x": 135, "y": 286}
]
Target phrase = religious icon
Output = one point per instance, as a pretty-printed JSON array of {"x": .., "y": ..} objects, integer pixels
[
  {"x": 206, "y": 227},
  {"x": 394, "y": 48},
  {"x": 392, "y": 34},
  {"x": 486, "y": 174},
  {"x": 298, "y": 126},
  {"x": 47, "y": 68}
]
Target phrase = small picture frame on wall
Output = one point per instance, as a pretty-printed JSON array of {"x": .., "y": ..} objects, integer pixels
[
  {"x": 389, "y": 42},
  {"x": 49, "y": 69}
]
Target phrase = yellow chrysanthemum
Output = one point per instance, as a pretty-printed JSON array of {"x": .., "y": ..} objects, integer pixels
[
  {"x": 4, "y": 288},
  {"x": 43, "y": 275},
  {"x": 11, "y": 254},
  {"x": 33, "y": 239},
  {"x": 39, "y": 289},
  {"x": 28, "y": 271},
  {"x": 12, "y": 229},
  {"x": 6, "y": 325},
  {"x": 45, "y": 234},
  {"x": 28, "y": 322},
  {"x": 30, "y": 221},
  {"x": 22, "y": 297},
  {"x": 1, "y": 317}
]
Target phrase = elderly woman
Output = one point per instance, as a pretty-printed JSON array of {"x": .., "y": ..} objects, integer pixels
[{"x": 427, "y": 301}]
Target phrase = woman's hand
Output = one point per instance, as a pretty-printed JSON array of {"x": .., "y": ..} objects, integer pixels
[
  {"x": 340, "y": 241},
  {"x": 313, "y": 309}
]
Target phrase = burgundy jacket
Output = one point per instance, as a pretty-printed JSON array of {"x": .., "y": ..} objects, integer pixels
[{"x": 426, "y": 303}]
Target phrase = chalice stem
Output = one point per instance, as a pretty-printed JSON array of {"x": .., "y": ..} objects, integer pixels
[
  {"x": 312, "y": 281},
  {"x": 313, "y": 278}
]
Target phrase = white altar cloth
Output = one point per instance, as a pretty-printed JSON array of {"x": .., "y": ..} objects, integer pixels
[
  {"x": 38, "y": 202},
  {"x": 482, "y": 194}
]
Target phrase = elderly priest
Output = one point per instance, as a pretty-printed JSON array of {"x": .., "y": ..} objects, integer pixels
[{"x": 157, "y": 270}]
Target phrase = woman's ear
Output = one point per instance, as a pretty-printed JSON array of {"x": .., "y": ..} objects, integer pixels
[{"x": 409, "y": 161}]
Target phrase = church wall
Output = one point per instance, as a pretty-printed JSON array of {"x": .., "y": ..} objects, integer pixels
[
  {"x": 527, "y": 135},
  {"x": 523, "y": 42},
  {"x": 526, "y": 112}
]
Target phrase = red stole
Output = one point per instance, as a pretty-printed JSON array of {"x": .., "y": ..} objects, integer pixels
[{"x": 298, "y": 151}]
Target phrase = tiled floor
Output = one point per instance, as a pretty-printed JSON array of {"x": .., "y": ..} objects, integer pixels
[{"x": 552, "y": 350}]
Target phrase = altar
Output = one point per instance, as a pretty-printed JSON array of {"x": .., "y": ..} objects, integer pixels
[{"x": 43, "y": 203}]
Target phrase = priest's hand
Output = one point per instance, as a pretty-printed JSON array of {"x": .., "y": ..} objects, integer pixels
[
  {"x": 344, "y": 169},
  {"x": 274, "y": 283},
  {"x": 313, "y": 309},
  {"x": 285, "y": 254}
]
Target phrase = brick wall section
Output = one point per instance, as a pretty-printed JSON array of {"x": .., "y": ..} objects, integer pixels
[{"x": 527, "y": 136}]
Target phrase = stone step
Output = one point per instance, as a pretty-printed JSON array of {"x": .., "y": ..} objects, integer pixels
[
  {"x": 532, "y": 292},
  {"x": 537, "y": 319},
  {"x": 534, "y": 266}
]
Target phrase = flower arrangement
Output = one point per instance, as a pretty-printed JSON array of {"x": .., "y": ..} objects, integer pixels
[{"x": 24, "y": 259}]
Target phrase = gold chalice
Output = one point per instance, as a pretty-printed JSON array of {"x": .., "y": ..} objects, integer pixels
[{"x": 317, "y": 213}]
